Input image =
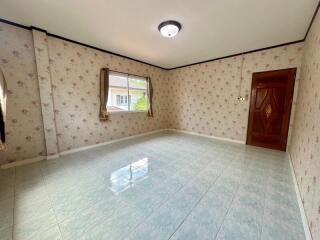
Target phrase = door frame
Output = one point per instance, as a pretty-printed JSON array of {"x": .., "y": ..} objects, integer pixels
[{"x": 289, "y": 114}]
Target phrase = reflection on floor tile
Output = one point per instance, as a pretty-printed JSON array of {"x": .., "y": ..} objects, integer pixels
[
  {"x": 128, "y": 176},
  {"x": 162, "y": 186}
]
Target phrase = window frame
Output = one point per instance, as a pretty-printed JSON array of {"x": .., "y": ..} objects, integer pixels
[
  {"x": 123, "y": 100},
  {"x": 129, "y": 97}
]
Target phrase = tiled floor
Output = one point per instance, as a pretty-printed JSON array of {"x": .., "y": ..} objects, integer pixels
[{"x": 162, "y": 186}]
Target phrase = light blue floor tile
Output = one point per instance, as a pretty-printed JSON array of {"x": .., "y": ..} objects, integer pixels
[
  {"x": 6, "y": 233},
  {"x": 189, "y": 188},
  {"x": 275, "y": 230},
  {"x": 240, "y": 231},
  {"x": 77, "y": 227},
  {"x": 6, "y": 184},
  {"x": 6, "y": 216},
  {"x": 52, "y": 233}
]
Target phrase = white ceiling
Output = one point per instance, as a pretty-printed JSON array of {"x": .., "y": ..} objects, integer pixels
[{"x": 210, "y": 28}]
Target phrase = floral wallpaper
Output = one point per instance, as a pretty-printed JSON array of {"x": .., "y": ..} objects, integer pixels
[
  {"x": 56, "y": 82},
  {"x": 45, "y": 87},
  {"x": 25, "y": 136},
  {"x": 305, "y": 144},
  {"x": 203, "y": 97},
  {"x": 75, "y": 81},
  {"x": 200, "y": 98},
  {"x": 71, "y": 73}
]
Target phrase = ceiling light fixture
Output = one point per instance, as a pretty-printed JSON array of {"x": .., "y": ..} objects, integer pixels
[{"x": 169, "y": 29}]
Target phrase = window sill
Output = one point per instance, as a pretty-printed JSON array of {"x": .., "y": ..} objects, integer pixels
[{"x": 126, "y": 112}]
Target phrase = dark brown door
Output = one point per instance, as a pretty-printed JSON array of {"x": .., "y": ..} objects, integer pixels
[{"x": 270, "y": 108}]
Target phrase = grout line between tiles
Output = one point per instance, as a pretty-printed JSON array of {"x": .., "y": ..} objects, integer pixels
[
  {"x": 264, "y": 206},
  {"x": 49, "y": 199},
  {"x": 158, "y": 206},
  {"x": 47, "y": 196},
  {"x": 195, "y": 205},
  {"x": 234, "y": 196}
]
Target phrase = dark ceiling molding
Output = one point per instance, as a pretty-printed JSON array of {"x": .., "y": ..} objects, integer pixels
[
  {"x": 257, "y": 50},
  {"x": 163, "y": 68},
  {"x": 238, "y": 54},
  {"x": 103, "y": 50},
  {"x": 312, "y": 20},
  {"x": 76, "y": 42},
  {"x": 38, "y": 29},
  {"x": 14, "y": 24}
]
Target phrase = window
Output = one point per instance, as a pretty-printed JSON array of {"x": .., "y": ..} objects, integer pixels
[
  {"x": 127, "y": 93},
  {"x": 122, "y": 100}
]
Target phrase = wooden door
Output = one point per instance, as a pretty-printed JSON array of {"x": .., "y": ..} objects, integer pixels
[{"x": 270, "y": 108}]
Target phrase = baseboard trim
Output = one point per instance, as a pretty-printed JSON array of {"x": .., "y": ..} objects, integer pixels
[
  {"x": 207, "y": 136},
  {"x": 53, "y": 156},
  {"x": 41, "y": 158},
  {"x": 302, "y": 211},
  {"x": 23, "y": 162},
  {"x": 109, "y": 142}
]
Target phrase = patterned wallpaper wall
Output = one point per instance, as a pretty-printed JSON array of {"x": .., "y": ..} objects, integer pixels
[
  {"x": 75, "y": 79},
  {"x": 200, "y": 98},
  {"x": 203, "y": 97},
  {"x": 305, "y": 146},
  {"x": 74, "y": 72},
  {"x": 45, "y": 88},
  {"x": 25, "y": 137}
]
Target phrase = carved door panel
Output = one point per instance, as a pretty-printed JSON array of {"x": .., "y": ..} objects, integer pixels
[{"x": 270, "y": 108}]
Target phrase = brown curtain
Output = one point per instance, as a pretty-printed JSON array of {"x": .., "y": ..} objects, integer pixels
[
  {"x": 150, "y": 96},
  {"x": 3, "y": 101},
  {"x": 104, "y": 90}
]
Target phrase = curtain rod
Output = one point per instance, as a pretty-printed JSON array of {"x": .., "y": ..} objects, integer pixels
[{"x": 129, "y": 74}]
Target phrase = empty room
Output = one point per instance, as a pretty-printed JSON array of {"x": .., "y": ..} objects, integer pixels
[{"x": 159, "y": 120}]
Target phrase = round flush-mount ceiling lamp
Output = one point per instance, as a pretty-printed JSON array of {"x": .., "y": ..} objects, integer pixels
[{"x": 169, "y": 29}]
